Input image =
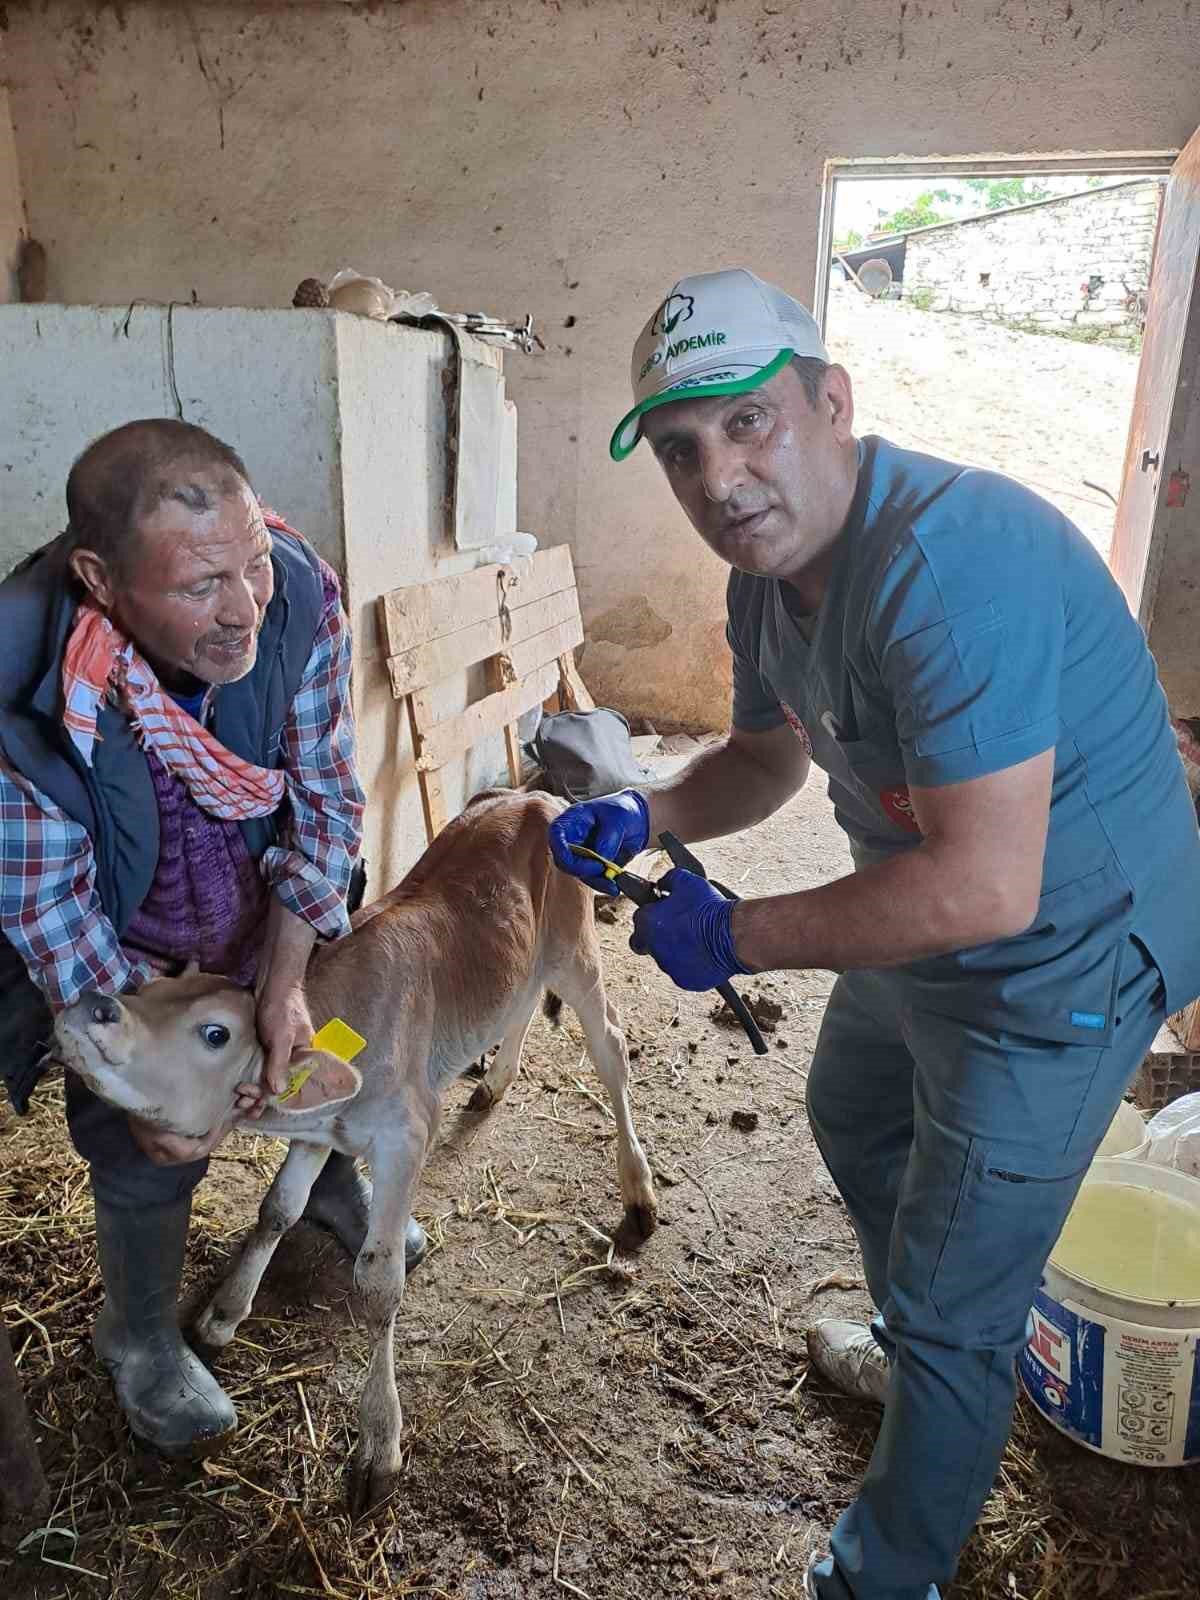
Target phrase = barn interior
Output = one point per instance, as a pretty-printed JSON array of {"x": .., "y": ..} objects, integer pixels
[{"x": 502, "y": 190}]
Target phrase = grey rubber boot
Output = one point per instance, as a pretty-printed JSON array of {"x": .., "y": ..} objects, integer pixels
[
  {"x": 168, "y": 1395},
  {"x": 340, "y": 1202}
]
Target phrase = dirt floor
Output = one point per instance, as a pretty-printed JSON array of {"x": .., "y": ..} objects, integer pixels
[
  {"x": 1047, "y": 410},
  {"x": 578, "y": 1422}
]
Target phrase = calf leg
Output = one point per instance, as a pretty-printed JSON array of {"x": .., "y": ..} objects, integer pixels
[
  {"x": 282, "y": 1205},
  {"x": 498, "y": 1079},
  {"x": 583, "y": 990},
  {"x": 379, "y": 1275}
]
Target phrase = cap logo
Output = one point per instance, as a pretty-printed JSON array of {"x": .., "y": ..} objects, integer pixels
[
  {"x": 697, "y": 341},
  {"x": 676, "y": 308}
]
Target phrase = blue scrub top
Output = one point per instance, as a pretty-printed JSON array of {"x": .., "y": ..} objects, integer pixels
[{"x": 967, "y": 626}]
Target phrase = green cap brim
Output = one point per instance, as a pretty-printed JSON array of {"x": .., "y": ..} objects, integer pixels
[{"x": 628, "y": 431}]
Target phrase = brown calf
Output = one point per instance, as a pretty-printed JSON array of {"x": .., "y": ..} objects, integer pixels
[{"x": 449, "y": 963}]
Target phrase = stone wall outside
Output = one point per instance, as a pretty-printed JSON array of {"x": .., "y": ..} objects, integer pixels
[{"x": 1033, "y": 267}]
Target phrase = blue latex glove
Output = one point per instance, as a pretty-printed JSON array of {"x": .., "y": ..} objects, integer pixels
[
  {"x": 689, "y": 933},
  {"x": 617, "y": 826}
]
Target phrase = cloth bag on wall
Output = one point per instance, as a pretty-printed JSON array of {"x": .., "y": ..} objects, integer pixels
[{"x": 583, "y": 754}]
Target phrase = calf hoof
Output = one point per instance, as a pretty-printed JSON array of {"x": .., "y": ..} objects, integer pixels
[
  {"x": 213, "y": 1330},
  {"x": 638, "y": 1223},
  {"x": 368, "y": 1484},
  {"x": 482, "y": 1100}
]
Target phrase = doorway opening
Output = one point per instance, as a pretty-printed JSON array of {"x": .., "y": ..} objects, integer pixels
[{"x": 992, "y": 312}]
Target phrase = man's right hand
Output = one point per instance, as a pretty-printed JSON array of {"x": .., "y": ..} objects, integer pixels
[{"x": 616, "y": 827}]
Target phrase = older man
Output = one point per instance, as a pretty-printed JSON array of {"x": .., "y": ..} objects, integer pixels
[
  {"x": 1026, "y": 901},
  {"x": 177, "y": 784}
]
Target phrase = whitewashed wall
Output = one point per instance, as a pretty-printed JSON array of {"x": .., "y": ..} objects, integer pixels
[
  {"x": 342, "y": 425},
  {"x": 568, "y": 159}
]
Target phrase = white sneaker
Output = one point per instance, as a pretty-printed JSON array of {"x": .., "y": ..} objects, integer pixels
[
  {"x": 847, "y": 1356},
  {"x": 810, "y": 1583}
]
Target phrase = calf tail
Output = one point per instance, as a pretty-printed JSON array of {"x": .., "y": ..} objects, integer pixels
[{"x": 552, "y": 1008}]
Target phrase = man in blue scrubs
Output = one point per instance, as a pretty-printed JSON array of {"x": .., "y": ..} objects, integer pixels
[{"x": 1025, "y": 907}]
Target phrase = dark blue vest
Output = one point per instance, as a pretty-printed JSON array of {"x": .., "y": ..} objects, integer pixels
[{"x": 114, "y": 800}]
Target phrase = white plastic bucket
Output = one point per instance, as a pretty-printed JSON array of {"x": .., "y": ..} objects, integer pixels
[
  {"x": 1126, "y": 1135},
  {"x": 1120, "y": 1376}
]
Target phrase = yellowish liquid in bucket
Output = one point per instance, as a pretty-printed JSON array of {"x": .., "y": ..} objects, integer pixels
[{"x": 1132, "y": 1242}]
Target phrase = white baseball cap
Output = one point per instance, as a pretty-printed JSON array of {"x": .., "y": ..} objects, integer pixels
[{"x": 715, "y": 333}]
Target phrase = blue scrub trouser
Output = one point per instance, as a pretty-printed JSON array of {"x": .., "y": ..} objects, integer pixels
[{"x": 958, "y": 1150}]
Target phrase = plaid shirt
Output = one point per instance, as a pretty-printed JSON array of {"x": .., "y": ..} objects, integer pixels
[{"x": 49, "y": 908}]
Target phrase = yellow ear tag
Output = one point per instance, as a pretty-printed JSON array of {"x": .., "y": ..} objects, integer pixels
[
  {"x": 340, "y": 1039},
  {"x": 611, "y": 870},
  {"x": 337, "y": 1038},
  {"x": 295, "y": 1083}
]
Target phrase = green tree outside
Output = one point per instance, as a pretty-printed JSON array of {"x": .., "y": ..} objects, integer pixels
[{"x": 933, "y": 206}]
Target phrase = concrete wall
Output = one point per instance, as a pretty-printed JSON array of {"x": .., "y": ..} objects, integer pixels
[
  {"x": 359, "y": 468},
  {"x": 71, "y": 374},
  {"x": 567, "y": 158},
  {"x": 12, "y": 209},
  {"x": 1077, "y": 264}
]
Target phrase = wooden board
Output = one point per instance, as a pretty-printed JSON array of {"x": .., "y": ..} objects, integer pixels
[
  {"x": 573, "y": 690},
  {"x": 433, "y": 801},
  {"x": 1160, "y": 402},
  {"x": 1185, "y": 1025},
  {"x": 442, "y": 742},
  {"x": 522, "y": 659},
  {"x": 429, "y": 663},
  {"x": 501, "y": 677},
  {"x": 426, "y": 611},
  {"x": 521, "y": 622}
]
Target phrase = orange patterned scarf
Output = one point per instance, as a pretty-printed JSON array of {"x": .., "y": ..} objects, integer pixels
[{"x": 100, "y": 664}]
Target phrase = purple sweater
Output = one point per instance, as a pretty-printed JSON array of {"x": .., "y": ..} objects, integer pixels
[{"x": 208, "y": 900}]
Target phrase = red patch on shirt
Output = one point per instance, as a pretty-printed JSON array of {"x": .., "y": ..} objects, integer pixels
[
  {"x": 899, "y": 807},
  {"x": 796, "y": 726}
]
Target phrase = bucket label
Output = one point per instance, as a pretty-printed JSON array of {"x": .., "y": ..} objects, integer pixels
[
  {"x": 1051, "y": 1345},
  {"x": 1148, "y": 1390},
  {"x": 1062, "y": 1367},
  {"x": 1131, "y": 1392}
]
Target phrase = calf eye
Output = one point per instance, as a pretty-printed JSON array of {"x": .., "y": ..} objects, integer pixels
[{"x": 214, "y": 1034}]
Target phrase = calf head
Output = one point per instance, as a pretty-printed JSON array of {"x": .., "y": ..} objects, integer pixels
[{"x": 174, "y": 1053}]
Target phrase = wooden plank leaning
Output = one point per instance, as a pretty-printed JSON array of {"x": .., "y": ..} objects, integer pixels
[
  {"x": 522, "y": 622},
  {"x": 436, "y": 659},
  {"x": 423, "y": 612},
  {"x": 442, "y": 742}
]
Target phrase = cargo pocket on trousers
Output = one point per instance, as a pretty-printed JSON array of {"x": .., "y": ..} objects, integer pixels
[{"x": 1006, "y": 1219}]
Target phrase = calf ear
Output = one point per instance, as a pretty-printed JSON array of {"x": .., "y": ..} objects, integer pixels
[{"x": 330, "y": 1080}]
